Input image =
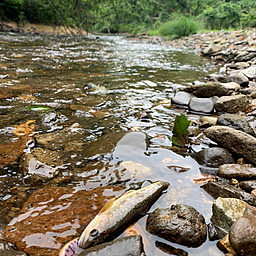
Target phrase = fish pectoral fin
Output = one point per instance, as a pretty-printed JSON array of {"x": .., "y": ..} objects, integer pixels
[{"x": 107, "y": 205}]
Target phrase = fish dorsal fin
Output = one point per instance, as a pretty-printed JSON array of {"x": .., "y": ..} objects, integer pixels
[
  {"x": 107, "y": 205},
  {"x": 128, "y": 192}
]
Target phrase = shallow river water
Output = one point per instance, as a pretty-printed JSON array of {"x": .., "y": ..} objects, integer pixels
[{"x": 117, "y": 81}]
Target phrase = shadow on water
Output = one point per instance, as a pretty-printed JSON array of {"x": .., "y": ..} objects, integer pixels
[{"x": 104, "y": 85}]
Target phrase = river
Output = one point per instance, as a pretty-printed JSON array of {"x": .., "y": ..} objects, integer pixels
[{"x": 118, "y": 81}]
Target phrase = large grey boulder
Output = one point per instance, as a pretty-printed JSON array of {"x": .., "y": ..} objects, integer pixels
[
  {"x": 238, "y": 142},
  {"x": 180, "y": 224},
  {"x": 225, "y": 211},
  {"x": 232, "y": 104},
  {"x": 242, "y": 235},
  {"x": 237, "y": 122}
]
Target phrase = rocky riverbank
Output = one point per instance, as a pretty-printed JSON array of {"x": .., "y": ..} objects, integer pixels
[{"x": 40, "y": 223}]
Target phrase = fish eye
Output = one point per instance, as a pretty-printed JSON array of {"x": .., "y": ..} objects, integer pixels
[{"x": 94, "y": 233}]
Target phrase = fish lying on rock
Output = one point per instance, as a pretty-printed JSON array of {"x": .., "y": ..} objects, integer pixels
[{"x": 115, "y": 217}]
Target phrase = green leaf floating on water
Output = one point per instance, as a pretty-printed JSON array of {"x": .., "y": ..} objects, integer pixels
[
  {"x": 180, "y": 131},
  {"x": 38, "y": 108}
]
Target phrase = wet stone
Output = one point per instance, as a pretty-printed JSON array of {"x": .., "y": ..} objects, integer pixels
[
  {"x": 182, "y": 98},
  {"x": 221, "y": 189},
  {"x": 11, "y": 151},
  {"x": 213, "y": 232},
  {"x": 238, "y": 78},
  {"x": 237, "y": 171},
  {"x": 208, "y": 119},
  {"x": 206, "y": 90},
  {"x": 237, "y": 142},
  {"x": 237, "y": 122},
  {"x": 170, "y": 249},
  {"x": 232, "y": 104},
  {"x": 120, "y": 144},
  {"x": 125, "y": 246},
  {"x": 225, "y": 246},
  {"x": 250, "y": 72},
  {"x": 232, "y": 86},
  {"x": 57, "y": 140},
  {"x": 40, "y": 165},
  {"x": 180, "y": 224},
  {"x": 55, "y": 215},
  {"x": 242, "y": 235},
  {"x": 6, "y": 250},
  {"x": 204, "y": 105},
  {"x": 225, "y": 211},
  {"x": 213, "y": 157},
  {"x": 245, "y": 56},
  {"x": 248, "y": 185}
]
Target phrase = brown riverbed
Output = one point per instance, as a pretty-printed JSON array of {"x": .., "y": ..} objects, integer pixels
[{"x": 105, "y": 86}]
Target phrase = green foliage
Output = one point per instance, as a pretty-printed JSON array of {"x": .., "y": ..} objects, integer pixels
[
  {"x": 180, "y": 131},
  {"x": 153, "y": 33},
  {"x": 134, "y": 16},
  {"x": 179, "y": 26}
]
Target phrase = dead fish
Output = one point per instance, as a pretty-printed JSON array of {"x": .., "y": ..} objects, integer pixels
[
  {"x": 115, "y": 217},
  {"x": 118, "y": 214}
]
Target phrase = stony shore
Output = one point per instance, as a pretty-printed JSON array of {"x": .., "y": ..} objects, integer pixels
[{"x": 230, "y": 95}]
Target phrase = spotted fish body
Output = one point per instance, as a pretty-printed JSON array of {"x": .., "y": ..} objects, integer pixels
[{"x": 120, "y": 213}]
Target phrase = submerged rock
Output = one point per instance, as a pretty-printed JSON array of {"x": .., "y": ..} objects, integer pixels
[
  {"x": 237, "y": 122},
  {"x": 55, "y": 215},
  {"x": 125, "y": 246},
  {"x": 58, "y": 140},
  {"x": 167, "y": 248},
  {"x": 180, "y": 224},
  {"x": 213, "y": 157},
  {"x": 237, "y": 142},
  {"x": 221, "y": 189},
  {"x": 237, "y": 171},
  {"x": 225, "y": 211},
  {"x": 40, "y": 165},
  {"x": 232, "y": 104},
  {"x": 209, "y": 89},
  {"x": 242, "y": 235},
  {"x": 117, "y": 143},
  {"x": 6, "y": 250},
  {"x": 11, "y": 151},
  {"x": 214, "y": 233},
  {"x": 248, "y": 185}
]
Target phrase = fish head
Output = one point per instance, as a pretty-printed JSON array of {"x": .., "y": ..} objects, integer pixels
[{"x": 94, "y": 233}]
